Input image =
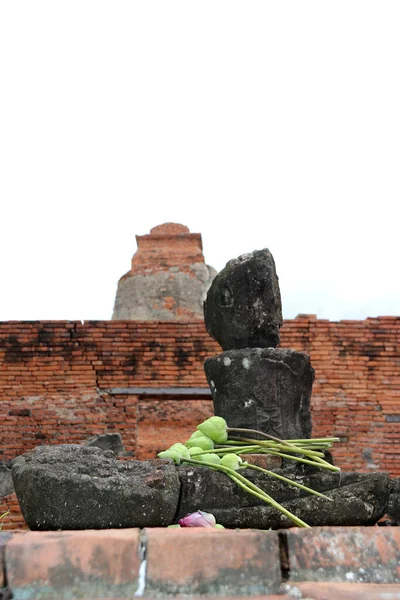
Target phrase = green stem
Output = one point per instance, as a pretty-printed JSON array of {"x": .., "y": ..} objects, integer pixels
[
  {"x": 286, "y": 479},
  {"x": 230, "y": 450},
  {"x": 266, "y": 435},
  {"x": 244, "y": 430},
  {"x": 282, "y": 445},
  {"x": 231, "y": 442},
  {"x": 304, "y": 451},
  {"x": 323, "y": 465},
  {"x": 313, "y": 440}
]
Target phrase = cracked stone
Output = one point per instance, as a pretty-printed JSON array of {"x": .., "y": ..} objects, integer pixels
[
  {"x": 243, "y": 307},
  {"x": 81, "y": 487}
]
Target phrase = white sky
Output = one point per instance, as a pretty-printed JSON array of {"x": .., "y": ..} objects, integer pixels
[{"x": 256, "y": 123}]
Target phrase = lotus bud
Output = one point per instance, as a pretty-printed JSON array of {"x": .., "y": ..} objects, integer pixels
[
  {"x": 210, "y": 458},
  {"x": 181, "y": 448},
  {"x": 196, "y": 434},
  {"x": 177, "y": 452},
  {"x": 203, "y": 442},
  {"x": 195, "y": 450},
  {"x": 215, "y": 428},
  {"x": 176, "y": 456},
  {"x": 198, "y": 519},
  {"x": 216, "y": 526},
  {"x": 232, "y": 461}
]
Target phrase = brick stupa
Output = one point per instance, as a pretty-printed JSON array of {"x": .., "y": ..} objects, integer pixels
[{"x": 168, "y": 280}]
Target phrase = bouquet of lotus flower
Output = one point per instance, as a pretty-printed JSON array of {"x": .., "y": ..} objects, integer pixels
[{"x": 216, "y": 446}]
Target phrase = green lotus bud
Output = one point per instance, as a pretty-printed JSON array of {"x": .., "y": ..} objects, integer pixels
[
  {"x": 176, "y": 456},
  {"x": 216, "y": 526},
  {"x": 195, "y": 450},
  {"x": 196, "y": 434},
  {"x": 181, "y": 448},
  {"x": 232, "y": 461},
  {"x": 211, "y": 458},
  {"x": 214, "y": 428},
  {"x": 177, "y": 452},
  {"x": 202, "y": 441}
]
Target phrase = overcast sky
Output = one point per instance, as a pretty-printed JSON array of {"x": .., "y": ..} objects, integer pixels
[{"x": 256, "y": 123}]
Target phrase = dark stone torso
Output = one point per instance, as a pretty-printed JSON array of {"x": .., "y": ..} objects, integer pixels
[{"x": 267, "y": 389}]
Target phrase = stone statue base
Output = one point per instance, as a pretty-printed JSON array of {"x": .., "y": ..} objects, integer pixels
[
  {"x": 267, "y": 389},
  {"x": 76, "y": 487}
]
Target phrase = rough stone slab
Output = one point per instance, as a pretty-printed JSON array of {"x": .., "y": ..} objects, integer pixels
[
  {"x": 108, "y": 441},
  {"x": 81, "y": 487},
  {"x": 243, "y": 308},
  {"x": 267, "y": 389},
  {"x": 361, "y": 503},
  {"x": 6, "y": 484},
  {"x": 347, "y": 591},
  {"x": 393, "y": 509},
  {"x": 358, "y": 554},
  {"x": 210, "y": 561},
  {"x": 77, "y": 564},
  {"x": 361, "y": 498}
]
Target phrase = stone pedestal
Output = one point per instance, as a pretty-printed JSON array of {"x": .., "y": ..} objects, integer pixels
[{"x": 267, "y": 389}]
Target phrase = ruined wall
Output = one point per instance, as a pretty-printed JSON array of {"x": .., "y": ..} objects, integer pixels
[
  {"x": 168, "y": 279},
  {"x": 60, "y": 382}
]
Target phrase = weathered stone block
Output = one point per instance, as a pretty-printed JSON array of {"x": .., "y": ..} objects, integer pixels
[
  {"x": 243, "y": 307},
  {"x": 361, "y": 498},
  {"x": 79, "y": 487},
  {"x": 108, "y": 441},
  {"x": 6, "y": 484},
  {"x": 267, "y": 389}
]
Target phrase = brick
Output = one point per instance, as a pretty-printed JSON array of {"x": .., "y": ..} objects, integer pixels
[
  {"x": 348, "y": 554},
  {"x": 348, "y": 591},
  {"x": 75, "y": 564},
  {"x": 209, "y": 561}
]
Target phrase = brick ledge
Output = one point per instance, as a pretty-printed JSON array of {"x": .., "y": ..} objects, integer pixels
[{"x": 319, "y": 563}]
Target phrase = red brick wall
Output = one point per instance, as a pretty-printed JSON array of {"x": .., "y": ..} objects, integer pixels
[{"x": 54, "y": 378}]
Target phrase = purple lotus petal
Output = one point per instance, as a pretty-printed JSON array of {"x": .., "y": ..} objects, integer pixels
[{"x": 198, "y": 519}]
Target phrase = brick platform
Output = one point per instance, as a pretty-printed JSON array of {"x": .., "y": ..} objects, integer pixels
[{"x": 319, "y": 563}]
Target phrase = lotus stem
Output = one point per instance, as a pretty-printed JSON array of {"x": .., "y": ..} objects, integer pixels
[
  {"x": 322, "y": 464},
  {"x": 266, "y": 435},
  {"x": 284, "y": 446},
  {"x": 286, "y": 479},
  {"x": 270, "y": 501},
  {"x": 230, "y": 450},
  {"x": 313, "y": 440}
]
